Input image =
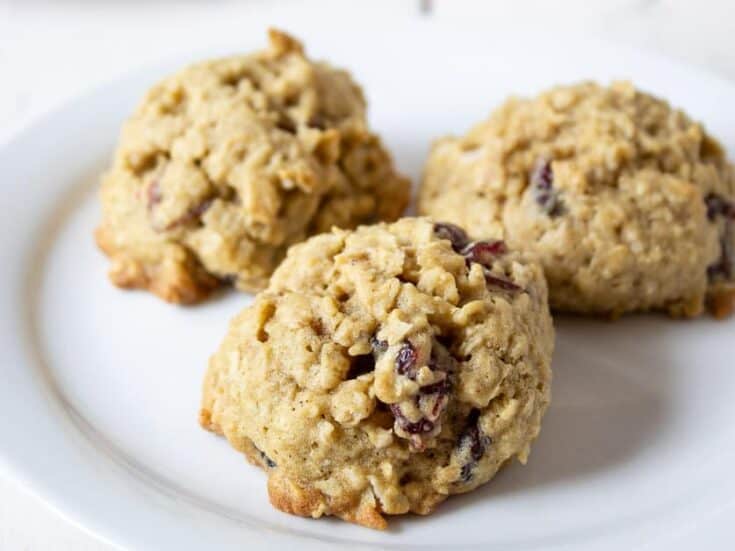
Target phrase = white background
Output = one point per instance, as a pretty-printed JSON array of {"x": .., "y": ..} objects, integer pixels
[{"x": 52, "y": 51}]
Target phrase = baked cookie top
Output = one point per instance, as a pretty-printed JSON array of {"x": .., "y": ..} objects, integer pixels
[
  {"x": 384, "y": 369},
  {"x": 228, "y": 162},
  {"x": 628, "y": 203}
]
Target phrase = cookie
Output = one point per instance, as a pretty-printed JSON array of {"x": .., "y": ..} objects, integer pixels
[
  {"x": 628, "y": 203},
  {"x": 384, "y": 369},
  {"x": 228, "y": 162}
]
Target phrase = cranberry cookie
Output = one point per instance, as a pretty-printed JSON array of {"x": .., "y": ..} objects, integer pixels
[
  {"x": 628, "y": 203},
  {"x": 384, "y": 369},
  {"x": 228, "y": 162}
]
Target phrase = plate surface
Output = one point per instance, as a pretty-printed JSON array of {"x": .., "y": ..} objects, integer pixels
[{"x": 101, "y": 387}]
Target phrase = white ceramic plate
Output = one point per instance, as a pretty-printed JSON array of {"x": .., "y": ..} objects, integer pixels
[{"x": 100, "y": 387}]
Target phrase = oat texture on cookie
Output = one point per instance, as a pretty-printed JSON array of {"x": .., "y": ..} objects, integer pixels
[
  {"x": 384, "y": 369},
  {"x": 627, "y": 202},
  {"x": 228, "y": 162}
]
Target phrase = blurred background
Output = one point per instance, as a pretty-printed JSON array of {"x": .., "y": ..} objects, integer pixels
[{"x": 51, "y": 51}]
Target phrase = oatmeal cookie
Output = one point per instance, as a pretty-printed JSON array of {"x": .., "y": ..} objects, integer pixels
[
  {"x": 228, "y": 162},
  {"x": 384, "y": 369},
  {"x": 628, "y": 203}
]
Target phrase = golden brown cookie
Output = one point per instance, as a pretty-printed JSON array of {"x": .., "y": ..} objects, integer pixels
[
  {"x": 628, "y": 203},
  {"x": 228, "y": 162},
  {"x": 385, "y": 369}
]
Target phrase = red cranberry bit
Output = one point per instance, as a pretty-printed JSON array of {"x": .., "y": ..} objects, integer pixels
[
  {"x": 421, "y": 426},
  {"x": 725, "y": 266},
  {"x": 434, "y": 398},
  {"x": 542, "y": 177},
  {"x": 431, "y": 399},
  {"x": 484, "y": 252},
  {"x": 154, "y": 197},
  {"x": 317, "y": 121},
  {"x": 197, "y": 210},
  {"x": 481, "y": 252},
  {"x": 474, "y": 442},
  {"x": 456, "y": 235},
  {"x": 718, "y": 206},
  {"x": 442, "y": 387},
  {"x": 406, "y": 360},
  {"x": 267, "y": 460},
  {"x": 542, "y": 188},
  {"x": 377, "y": 345},
  {"x": 153, "y": 194},
  {"x": 194, "y": 213},
  {"x": 499, "y": 282},
  {"x": 365, "y": 363},
  {"x": 466, "y": 472}
]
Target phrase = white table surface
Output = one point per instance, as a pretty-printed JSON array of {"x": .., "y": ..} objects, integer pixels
[{"x": 52, "y": 51}]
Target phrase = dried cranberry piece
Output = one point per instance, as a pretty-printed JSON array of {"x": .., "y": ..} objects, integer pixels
[
  {"x": 365, "y": 363},
  {"x": 453, "y": 233},
  {"x": 477, "y": 447},
  {"x": 421, "y": 426},
  {"x": 193, "y": 213},
  {"x": 542, "y": 177},
  {"x": 542, "y": 188},
  {"x": 318, "y": 122},
  {"x": 442, "y": 387},
  {"x": 268, "y": 461},
  {"x": 406, "y": 360},
  {"x": 725, "y": 265},
  {"x": 153, "y": 194},
  {"x": 467, "y": 471},
  {"x": 484, "y": 252},
  {"x": 474, "y": 442},
  {"x": 431, "y": 399},
  {"x": 718, "y": 206},
  {"x": 481, "y": 252},
  {"x": 201, "y": 208},
  {"x": 377, "y": 345},
  {"x": 499, "y": 282}
]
